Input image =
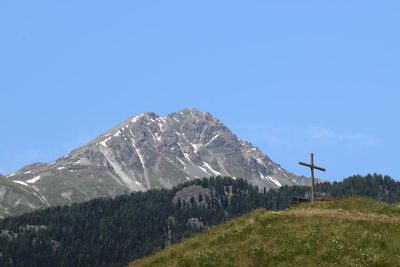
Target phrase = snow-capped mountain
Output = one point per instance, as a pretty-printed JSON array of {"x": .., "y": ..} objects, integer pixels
[{"x": 147, "y": 151}]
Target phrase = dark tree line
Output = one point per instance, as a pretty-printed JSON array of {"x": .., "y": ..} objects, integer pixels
[
  {"x": 112, "y": 232},
  {"x": 375, "y": 186}
]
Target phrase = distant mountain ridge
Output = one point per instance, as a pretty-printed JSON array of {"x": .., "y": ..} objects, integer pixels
[{"x": 146, "y": 151}]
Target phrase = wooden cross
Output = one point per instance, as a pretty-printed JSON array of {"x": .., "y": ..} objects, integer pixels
[{"x": 312, "y": 167}]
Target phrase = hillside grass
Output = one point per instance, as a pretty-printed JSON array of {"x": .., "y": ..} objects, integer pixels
[
  {"x": 353, "y": 204},
  {"x": 348, "y": 232}
]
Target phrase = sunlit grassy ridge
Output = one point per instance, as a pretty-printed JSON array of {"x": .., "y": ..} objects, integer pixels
[
  {"x": 347, "y": 232},
  {"x": 354, "y": 204}
]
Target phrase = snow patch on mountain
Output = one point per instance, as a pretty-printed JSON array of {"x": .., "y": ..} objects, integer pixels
[
  {"x": 33, "y": 180},
  {"x": 20, "y": 182},
  {"x": 211, "y": 169},
  {"x": 196, "y": 147}
]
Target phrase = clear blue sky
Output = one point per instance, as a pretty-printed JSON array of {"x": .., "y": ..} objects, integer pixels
[{"x": 291, "y": 77}]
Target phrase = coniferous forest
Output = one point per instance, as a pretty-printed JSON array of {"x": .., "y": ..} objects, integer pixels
[{"x": 113, "y": 232}]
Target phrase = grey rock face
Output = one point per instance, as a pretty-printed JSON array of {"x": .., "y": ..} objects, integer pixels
[
  {"x": 149, "y": 151},
  {"x": 185, "y": 194},
  {"x": 195, "y": 223}
]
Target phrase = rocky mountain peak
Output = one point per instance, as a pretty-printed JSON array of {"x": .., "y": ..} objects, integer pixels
[{"x": 151, "y": 151}]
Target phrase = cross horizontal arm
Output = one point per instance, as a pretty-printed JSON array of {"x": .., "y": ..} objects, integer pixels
[
  {"x": 312, "y": 166},
  {"x": 319, "y": 168},
  {"x": 304, "y": 164}
]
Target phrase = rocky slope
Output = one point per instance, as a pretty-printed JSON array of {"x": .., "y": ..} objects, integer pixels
[{"x": 146, "y": 151}]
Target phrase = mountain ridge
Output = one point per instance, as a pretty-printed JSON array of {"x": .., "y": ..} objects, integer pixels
[{"x": 150, "y": 151}]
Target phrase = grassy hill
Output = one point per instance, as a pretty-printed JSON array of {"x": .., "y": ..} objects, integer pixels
[{"x": 349, "y": 232}]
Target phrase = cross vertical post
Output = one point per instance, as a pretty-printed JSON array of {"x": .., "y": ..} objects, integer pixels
[
  {"x": 312, "y": 179},
  {"x": 312, "y": 167}
]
